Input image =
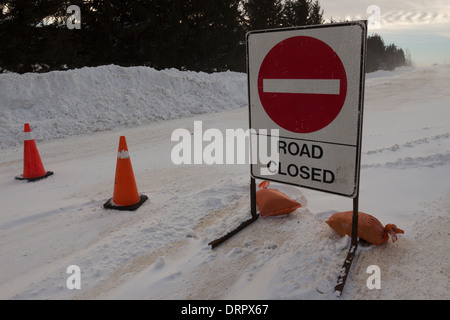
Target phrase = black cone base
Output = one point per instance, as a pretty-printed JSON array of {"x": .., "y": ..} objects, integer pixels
[
  {"x": 21, "y": 177},
  {"x": 110, "y": 205}
]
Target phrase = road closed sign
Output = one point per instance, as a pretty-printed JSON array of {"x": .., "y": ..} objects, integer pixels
[{"x": 307, "y": 84}]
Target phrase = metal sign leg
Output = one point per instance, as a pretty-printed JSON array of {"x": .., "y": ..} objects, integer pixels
[
  {"x": 352, "y": 250},
  {"x": 244, "y": 224}
]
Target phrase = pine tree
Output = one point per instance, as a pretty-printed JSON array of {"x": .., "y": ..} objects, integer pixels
[
  {"x": 316, "y": 14},
  {"x": 263, "y": 14},
  {"x": 375, "y": 53},
  {"x": 302, "y": 12},
  {"x": 297, "y": 12},
  {"x": 210, "y": 34},
  {"x": 382, "y": 57},
  {"x": 24, "y": 31}
]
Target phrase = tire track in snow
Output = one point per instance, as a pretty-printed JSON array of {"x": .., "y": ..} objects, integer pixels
[
  {"x": 427, "y": 152},
  {"x": 431, "y": 161},
  {"x": 410, "y": 144}
]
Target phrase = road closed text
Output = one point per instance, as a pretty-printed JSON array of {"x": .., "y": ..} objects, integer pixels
[
  {"x": 307, "y": 173},
  {"x": 319, "y": 165},
  {"x": 296, "y": 169}
]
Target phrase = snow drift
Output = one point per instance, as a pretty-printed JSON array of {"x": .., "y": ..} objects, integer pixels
[{"x": 65, "y": 103}]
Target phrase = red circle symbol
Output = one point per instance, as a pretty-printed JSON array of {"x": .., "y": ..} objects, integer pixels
[{"x": 302, "y": 84}]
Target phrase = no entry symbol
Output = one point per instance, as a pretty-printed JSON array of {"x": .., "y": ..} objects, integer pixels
[{"x": 302, "y": 84}]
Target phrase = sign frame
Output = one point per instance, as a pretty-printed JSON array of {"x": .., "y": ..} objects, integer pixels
[
  {"x": 255, "y": 106},
  {"x": 355, "y": 194}
]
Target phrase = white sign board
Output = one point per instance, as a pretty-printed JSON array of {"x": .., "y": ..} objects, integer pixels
[{"x": 308, "y": 83}]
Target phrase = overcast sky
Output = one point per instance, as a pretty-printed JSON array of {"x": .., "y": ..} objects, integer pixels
[{"x": 422, "y": 27}]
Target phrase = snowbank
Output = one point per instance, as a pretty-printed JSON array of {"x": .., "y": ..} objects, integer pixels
[{"x": 65, "y": 103}]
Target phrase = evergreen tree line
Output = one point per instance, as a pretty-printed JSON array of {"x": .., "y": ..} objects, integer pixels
[
  {"x": 199, "y": 35},
  {"x": 384, "y": 57}
]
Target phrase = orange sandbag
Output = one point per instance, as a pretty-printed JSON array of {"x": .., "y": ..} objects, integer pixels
[
  {"x": 272, "y": 202},
  {"x": 369, "y": 228}
]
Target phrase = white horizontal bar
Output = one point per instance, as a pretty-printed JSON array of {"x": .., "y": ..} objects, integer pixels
[
  {"x": 312, "y": 86},
  {"x": 28, "y": 135}
]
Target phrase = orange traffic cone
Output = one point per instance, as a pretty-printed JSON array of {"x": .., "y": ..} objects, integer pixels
[
  {"x": 125, "y": 196},
  {"x": 33, "y": 169}
]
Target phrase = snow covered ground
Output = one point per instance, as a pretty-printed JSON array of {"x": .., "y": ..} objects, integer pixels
[{"x": 161, "y": 250}]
